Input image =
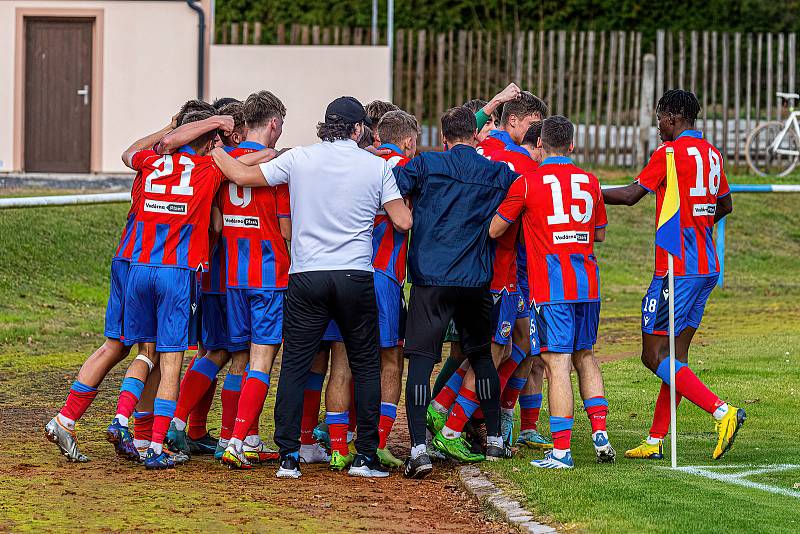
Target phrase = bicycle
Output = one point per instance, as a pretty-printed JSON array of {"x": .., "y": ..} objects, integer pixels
[{"x": 773, "y": 148}]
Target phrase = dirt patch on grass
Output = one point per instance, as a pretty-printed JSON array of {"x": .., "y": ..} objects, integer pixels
[{"x": 110, "y": 494}]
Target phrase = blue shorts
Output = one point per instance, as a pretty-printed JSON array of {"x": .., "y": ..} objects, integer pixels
[
  {"x": 213, "y": 309},
  {"x": 504, "y": 315},
  {"x": 523, "y": 307},
  {"x": 564, "y": 328},
  {"x": 116, "y": 299},
  {"x": 254, "y": 316},
  {"x": 160, "y": 307},
  {"x": 691, "y": 295},
  {"x": 391, "y": 314}
]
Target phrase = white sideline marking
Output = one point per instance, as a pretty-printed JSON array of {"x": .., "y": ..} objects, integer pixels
[{"x": 739, "y": 479}]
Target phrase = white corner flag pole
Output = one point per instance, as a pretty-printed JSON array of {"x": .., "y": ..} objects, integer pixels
[{"x": 673, "y": 427}]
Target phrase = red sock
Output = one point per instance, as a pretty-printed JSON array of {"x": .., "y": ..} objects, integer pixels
[
  {"x": 251, "y": 403},
  {"x": 661, "y": 415},
  {"x": 143, "y": 426},
  {"x": 510, "y": 395},
  {"x": 447, "y": 396},
  {"x": 193, "y": 387},
  {"x": 198, "y": 417},
  {"x": 126, "y": 403},
  {"x": 338, "y": 436},
  {"x": 597, "y": 413},
  {"x": 311, "y": 400},
  {"x": 253, "y": 430},
  {"x": 188, "y": 368},
  {"x": 528, "y": 418},
  {"x": 465, "y": 406},
  {"x": 77, "y": 402},
  {"x": 160, "y": 428},
  {"x": 561, "y": 439},
  {"x": 691, "y": 387},
  {"x": 230, "y": 403},
  {"x": 388, "y": 415},
  {"x": 505, "y": 371}
]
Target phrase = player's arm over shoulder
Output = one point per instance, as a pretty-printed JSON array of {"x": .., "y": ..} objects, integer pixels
[{"x": 511, "y": 208}]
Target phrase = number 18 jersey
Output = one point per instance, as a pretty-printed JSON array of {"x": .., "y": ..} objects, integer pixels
[
  {"x": 701, "y": 181},
  {"x": 561, "y": 206},
  {"x": 171, "y": 222}
]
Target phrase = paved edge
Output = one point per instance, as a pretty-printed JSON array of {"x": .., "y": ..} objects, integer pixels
[{"x": 493, "y": 498}]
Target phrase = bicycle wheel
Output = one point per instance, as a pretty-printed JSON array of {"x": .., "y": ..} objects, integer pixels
[{"x": 761, "y": 156}]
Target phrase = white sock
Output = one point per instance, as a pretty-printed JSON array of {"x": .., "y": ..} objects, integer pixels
[
  {"x": 653, "y": 441},
  {"x": 122, "y": 420},
  {"x": 721, "y": 411},
  {"x": 350, "y": 436},
  {"x": 180, "y": 426},
  {"x": 221, "y": 442},
  {"x": 236, "y": 444},
  {"x": 449, "y": 433},
  {"x": 157, "y": 448},
  {"x": 496, "y": 441},
  {"x": 560, "y": 453},
  {"x": 438, "y": 407},
  {"x": 141, "y": 443},
  {"x": 66, "y": 422},
  {"x": 416, "y": 450},
  {"x": 251, "y": 441},
  {"x": 508, "y": 411}
]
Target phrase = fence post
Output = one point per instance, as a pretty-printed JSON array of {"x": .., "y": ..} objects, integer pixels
[{"x": 646, "y": 106}]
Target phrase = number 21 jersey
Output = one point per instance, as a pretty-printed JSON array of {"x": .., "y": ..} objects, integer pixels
[
  {"x": 172, "y": 219},
  {"x": 561, "y": 206}
]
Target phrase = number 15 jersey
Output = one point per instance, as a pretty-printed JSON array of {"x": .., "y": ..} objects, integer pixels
[
  {"x": 701, "y": 181},
  {"x": 561, "y": 206},
  {"x": 171, "y": 222}
]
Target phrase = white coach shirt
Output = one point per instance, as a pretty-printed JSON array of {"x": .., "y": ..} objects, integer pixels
[{"x": 335, "y": 191}]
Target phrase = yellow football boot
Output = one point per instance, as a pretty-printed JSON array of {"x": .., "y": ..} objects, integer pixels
[
  {"x": 645, "y": 451},
  {"x": 726, "y": 429}
]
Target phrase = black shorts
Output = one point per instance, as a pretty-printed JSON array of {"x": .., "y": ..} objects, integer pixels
[{"x": 430, "y": 310}]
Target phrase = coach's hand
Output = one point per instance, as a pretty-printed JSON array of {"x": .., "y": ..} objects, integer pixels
[{"x": 377, "y": 151}]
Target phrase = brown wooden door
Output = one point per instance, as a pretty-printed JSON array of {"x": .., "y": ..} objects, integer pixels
[{"x": 58, "y": 81}]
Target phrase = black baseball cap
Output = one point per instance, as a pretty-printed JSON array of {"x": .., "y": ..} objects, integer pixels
[{"x": 346, "y": 110}]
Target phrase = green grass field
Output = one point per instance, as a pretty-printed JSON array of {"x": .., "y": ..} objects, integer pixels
[{"x": 53, "y": 287}]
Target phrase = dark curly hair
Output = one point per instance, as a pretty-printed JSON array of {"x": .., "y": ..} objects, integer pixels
[{"x": 338, "y": 130}]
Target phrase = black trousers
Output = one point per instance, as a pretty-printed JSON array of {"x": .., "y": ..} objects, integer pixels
[
  {"x": 429, "y": 312},
  {"x": 312, "y": 300}
]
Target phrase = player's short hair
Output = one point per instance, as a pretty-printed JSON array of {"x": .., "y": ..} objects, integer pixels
[
  {"x": 524, "y": 105},
  {"x": 236, "y": 110},
  {"x": 459, "y": 124},
  {"x": 533, "y": 134},
  {"x": 195, "y": 116},
  {"x": 377, "y": 109},
  {"x": 193, "y": 105},
  {"x": 259, "y": 108},
  {"x": 679, "y": 102},
  {"x": 220, "y": 103},
  {"x": 557, "y": 134},
  {"x": 397, "y": 125},
  {"x": 475, "y": 105}
]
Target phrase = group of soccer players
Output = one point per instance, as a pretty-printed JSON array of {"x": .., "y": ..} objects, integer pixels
[{"x": 204, "y": 262}]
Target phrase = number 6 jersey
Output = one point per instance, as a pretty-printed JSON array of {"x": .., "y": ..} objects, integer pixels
[
  {"x": 701, "y": 181},
  {"x": 561, "y": 207},
  {"x": 171, "y": 222}
]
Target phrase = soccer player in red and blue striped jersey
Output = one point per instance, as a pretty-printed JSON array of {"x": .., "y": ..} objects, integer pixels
[
  {"x": 61, "y": 428},
  {"x": 256, "y": 221},
  {"x": 170, "y": 236},
  {"x": 562, "y": 216},
  {"x": 704, "y": 199}
]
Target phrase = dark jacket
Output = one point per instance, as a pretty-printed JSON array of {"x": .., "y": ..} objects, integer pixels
[{"x": 454, "y": 195}]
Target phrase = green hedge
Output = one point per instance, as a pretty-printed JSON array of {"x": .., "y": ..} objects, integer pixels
[{"x": 441, "y": 15}]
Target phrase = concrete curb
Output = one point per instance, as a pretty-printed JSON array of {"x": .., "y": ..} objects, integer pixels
[
  {"x": 493, "y": 498},
  {"x": 116, "y": 181}
]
